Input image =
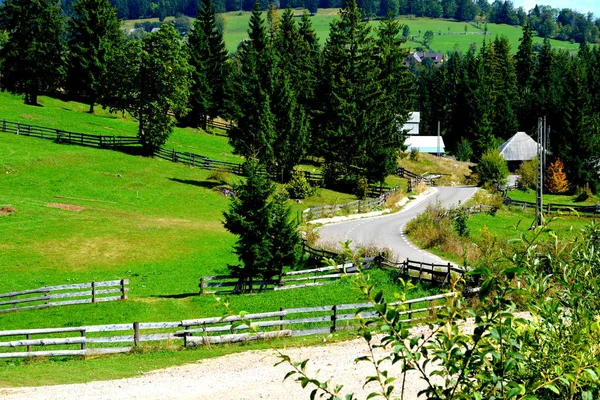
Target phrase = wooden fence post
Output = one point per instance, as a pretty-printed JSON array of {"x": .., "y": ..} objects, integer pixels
[
  {"x": 448, "y": 276},
  {"x": 93, "y": 292},
  {"x": 3, "y": 125},
  {"x": 431, "y": 308},
  {"x": 333, "y": 319},
  {"x": 123, "y": 290},
  {"x": 27, "y": 337},
  {"x": 83, "y": 344},
  {"x": 201, "y": 285},
  {"x": 136, "y": 334},
  {"x": 281, "y": 318}
]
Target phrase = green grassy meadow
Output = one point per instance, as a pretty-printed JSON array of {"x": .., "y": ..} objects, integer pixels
[
  {"x": 569, "y": 199},
  {"x": 449, "y": 35},
  {"x": 85, "y": 214}
]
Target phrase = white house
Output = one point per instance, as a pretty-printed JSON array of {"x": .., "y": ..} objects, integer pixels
[
  {"x": 412, "y": 124},
  {"x": 425, "y": 144}
]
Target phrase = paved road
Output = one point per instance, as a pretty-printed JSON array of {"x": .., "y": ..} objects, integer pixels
[{"x": 388, "y": 230}]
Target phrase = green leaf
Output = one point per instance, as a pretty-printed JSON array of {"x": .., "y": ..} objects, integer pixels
[
  {"x": 552, "y": 388},
  {"x": 480, "y": 271},
  {"x": 592, "y": 374}
]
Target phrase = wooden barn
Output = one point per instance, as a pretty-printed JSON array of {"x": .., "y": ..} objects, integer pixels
[{"x": 520, "y": 147}]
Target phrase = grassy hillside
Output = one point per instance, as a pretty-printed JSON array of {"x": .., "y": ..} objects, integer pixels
[
  {"x": 84, "y": 214},
  {"x": 449, "y": 35}
]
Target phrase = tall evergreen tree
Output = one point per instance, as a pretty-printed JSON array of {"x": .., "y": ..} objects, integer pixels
[
  {"x": 93, "y": 30},
  {"x": 33, "y": 56},
  {"x": 504, "y": 86},
  {"x": 525, "y": 67},
  {"x": 360, "y": 136},
  {"x": 254, "y": 134},
  {"x": 396, "y": 80},
  {"x": 208, "y": 57},
  {"x": 267, "y": 240}
]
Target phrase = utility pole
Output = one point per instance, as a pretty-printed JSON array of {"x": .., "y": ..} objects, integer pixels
[
  {"x": 540, "y": 172},
  {"x": 439, "y": 143}
]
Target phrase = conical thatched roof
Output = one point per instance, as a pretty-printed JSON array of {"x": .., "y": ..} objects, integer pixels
[{"x": 520, "y": 147}]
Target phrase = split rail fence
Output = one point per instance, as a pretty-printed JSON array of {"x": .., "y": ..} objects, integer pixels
[
  {"x": 555, "y": 208},
  {"x": 122, "y": 338},
  {"x": 53, "y": 296},
  {"x": 61, "y": 136},
  {"x": 357, "y": 206},
  {"x": 289, "y": 280}
]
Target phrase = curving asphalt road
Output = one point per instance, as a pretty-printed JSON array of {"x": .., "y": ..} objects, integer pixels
[{"x": 388, "y": 230}]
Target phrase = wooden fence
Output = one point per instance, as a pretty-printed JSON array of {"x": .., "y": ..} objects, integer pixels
[
  {"x": 555, "y": 208},
  {"x": 404, "y": 173},
  {"x": 198, "y": 161},
  {"x": 53, "y": 296},
  {"x": 437, "y": 274},
  {"x": 288, "y": 280},
  {"x": 353, "y": 207},
  {"x": 93, "y": 340},
  {"x": 61, "y": 136}
]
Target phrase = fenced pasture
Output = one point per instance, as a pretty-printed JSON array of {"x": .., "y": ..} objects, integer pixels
[
  {"x": 353, "y": 207},
  {"x": 304, "y": 321},
  {"x": 54, "y": 296},
  {"x": 62, "y": 136}
]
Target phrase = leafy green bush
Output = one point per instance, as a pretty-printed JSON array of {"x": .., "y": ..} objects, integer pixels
[
  {"x": 464, "y": 150},
  {"x": 299, "y": 187},
  {"x": 459, "y": 223},
  {"x": 362, "y": 188},
  {"x": 530, "y": 334},
  {"x": 492, "y": 169},
  {"x": 414, "y": 154},
  {"x": 527, "y": 172}
]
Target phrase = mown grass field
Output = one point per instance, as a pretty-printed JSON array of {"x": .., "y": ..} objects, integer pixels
[
  {"x": 85, "y": 214},
  {"x": 449, "y": 35},
  {"x": 530, "y": 195}
]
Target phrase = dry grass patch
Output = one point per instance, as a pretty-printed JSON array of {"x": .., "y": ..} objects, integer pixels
[
  {"x": 455, "y": 172},
  {"x": 68, "y": 207},
  {"x": 7, "y": 210}
]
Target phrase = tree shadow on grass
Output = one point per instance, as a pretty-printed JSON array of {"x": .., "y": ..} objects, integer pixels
[
  {"x": 204, "y": 184},
  {"x": 176, "y": 296}
]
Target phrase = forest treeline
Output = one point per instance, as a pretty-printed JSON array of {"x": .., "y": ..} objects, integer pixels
[{"x": 288, "y": 97}]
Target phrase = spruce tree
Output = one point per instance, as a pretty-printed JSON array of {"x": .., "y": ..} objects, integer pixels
[
  {"x": 254, "y": 134},
  {"x": 209, "y": 93},
  {"x": 359, "y": 135},
  {"x": 93, "y": 31},
  {"x": 33, "y": 56},
  {"x": 267, "y": 239},
  {"x": 525, "y": 67},
  {"x": 504, "y": 86}
]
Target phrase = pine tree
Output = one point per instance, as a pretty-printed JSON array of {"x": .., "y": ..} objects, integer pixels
[
  {"x": 33, "y": 56},
  {"x": 556, "y": 179},
  {"x": 267, "y": 239},
  {"x": 120, "y": 84},
  {"x": 358, "y": 136},
  {"x": 208, "y": 56},
  {"x": 93, "y": 31},
  {"x": 525, "y": 67},
  {"x": 504, "y": 86},
  {"x": 254, "y": 134}
]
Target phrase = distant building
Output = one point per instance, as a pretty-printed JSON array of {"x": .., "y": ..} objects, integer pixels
[
  {"x": 412, "y": 124},
  {"x": 520, "y": 147},
  {"x": 425, "y": 144},
  {"x": 418, "y": 58}
]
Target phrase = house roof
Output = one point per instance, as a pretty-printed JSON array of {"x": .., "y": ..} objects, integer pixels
[
  {"x": 425, "y": 144},
  {"x": 520, "y": 147}
]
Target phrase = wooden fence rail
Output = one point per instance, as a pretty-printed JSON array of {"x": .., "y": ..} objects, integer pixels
[
  {"x": 51, "y": 296},
  {"x": 288, "y": 280},
  {"x": 555, "y": 208},
  {"x": 103, "y": 141},
  {"x": 357, "y": 206},
  {"x": 92, "y": 340}
]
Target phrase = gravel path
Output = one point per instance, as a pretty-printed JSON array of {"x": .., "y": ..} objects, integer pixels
[{"x": 249, "y": 375}]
